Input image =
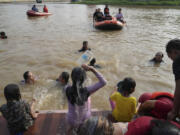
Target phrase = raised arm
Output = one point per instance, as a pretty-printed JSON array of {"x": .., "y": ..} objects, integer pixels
[{"x": 102, "y": 82}]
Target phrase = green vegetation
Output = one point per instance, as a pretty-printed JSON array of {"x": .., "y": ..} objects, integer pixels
[{"x": 133, "y": 2}]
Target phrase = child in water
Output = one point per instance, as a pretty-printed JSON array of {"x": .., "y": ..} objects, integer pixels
[
  {"x": 18, "y": 113},
  {"x": 28, "y": 78},
  {"x": 79, "y": 103},
  {"x": 123, "y": 105},
  {"x": 84, "y": 47},
  {"x": 158, "y": 58},
  {"x": 92, "y": 63},
  {"x": 63, "y": 79},
  {"x": 3, "y": 35}
]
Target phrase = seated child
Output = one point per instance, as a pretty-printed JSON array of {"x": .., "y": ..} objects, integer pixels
[
  {"x": 18, "y": 113},
  {"x": 84, "y": 47},
  {"x": 123, "y": 105},
  {"x": 28, "y": 78},
  {"x": 3, "y": 35},
  {"x": 63, "y": 79}
]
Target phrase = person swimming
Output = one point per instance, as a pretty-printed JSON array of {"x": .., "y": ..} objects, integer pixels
[
  {"x": 63, "y": 79},
  {"x": 92, "y": 63},
  {"x": 3, "y": 35},
  {"x": 158, "y": 58},
  {"x": 29, "y": 78},
  {"x": 84, "y": 47}
]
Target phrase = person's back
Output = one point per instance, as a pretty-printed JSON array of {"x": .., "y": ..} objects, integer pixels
[
  {"x": 34, "y": 8},
  {"x": 79, "y": 104},
  {"x": 17, "y": 112},
  {"x": 3, "y": 35},
  {"x": 125, "y": 105}
]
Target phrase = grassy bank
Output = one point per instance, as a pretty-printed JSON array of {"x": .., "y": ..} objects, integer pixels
[{"x": 133, "y": 2}]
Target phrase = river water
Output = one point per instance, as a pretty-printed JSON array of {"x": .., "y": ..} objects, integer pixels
[{"x": 48, "y": 45}]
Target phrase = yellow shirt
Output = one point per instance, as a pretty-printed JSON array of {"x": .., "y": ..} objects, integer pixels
[{"x": 125, "y": 107}]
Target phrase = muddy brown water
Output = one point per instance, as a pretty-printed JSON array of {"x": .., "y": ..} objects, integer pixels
[{"x": 48, "y": 45}]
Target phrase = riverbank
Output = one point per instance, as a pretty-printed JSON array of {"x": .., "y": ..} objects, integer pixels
[
  {"x": 29, "y": 1},
  {"x": 127, "y": 2}
]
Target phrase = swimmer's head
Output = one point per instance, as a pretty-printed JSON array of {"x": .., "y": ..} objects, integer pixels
[
  {"x": 158, "y": 57},
  {"x": 173, "y": 48},
  {"x": 12, "y": 92},
  {"x": 29, "y": 77},
  {"x": 85, "y": 44},
  {"x": 92, "y": 62},
  {"x": 120, "y": 9},
  {"x": 64, "y": 78},
  {"x": 126, "y": 86},
  {"x": 3, "y": 35}
]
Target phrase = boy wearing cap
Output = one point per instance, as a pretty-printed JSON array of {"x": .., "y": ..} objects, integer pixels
[{"x": 123, "y": 105}]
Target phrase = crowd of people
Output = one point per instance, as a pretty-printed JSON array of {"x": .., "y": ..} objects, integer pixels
[
  {"x": 158, "y": 113},
  {"x": 99, "y": 16}
]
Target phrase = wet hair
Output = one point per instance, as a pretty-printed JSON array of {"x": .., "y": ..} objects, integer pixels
[
  {"x": 12, "y": 92},
  {"x": 96, "y": 126},
  {"x": 126, "y": 85},
  {"x": 77, "y": 94},
  {"x": 65, "y": 76},
  {"x": 83, "y": 47},
  {"x": 120, "y": 9},
  {"x": 163, "y": 127},
  {"x": 26, "y": 75},
  {"x": 85, "y": 42},
  {"x": 3, "y": 34},
  {"x": 154, "y": 59},
  {"x": 92, "y": 62},
  {"x": 173, "y": 44}
]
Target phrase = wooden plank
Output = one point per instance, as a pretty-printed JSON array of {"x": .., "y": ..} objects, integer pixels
[{"x": 48, "y": 123}]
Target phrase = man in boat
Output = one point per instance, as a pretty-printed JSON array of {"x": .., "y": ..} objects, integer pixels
[
  {"x": 99, "y": 15},
  {"x": 34, "y": 8},
  {"x": 106, "y": 10},
  {"x": 173, "y": 52},
  {"x": 108, "y": 17},
  {"x": 120, "y": 17},
  {"x": 45, "y": 9}
]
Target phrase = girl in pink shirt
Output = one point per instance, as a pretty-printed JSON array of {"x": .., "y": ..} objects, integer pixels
[{"x": 79, "y": 103}]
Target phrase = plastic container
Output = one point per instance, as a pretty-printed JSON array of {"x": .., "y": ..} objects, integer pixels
[{"x": 85, "y": 57}]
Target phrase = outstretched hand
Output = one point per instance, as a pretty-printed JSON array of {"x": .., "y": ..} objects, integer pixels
[{"x": 87, "y": 68}]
